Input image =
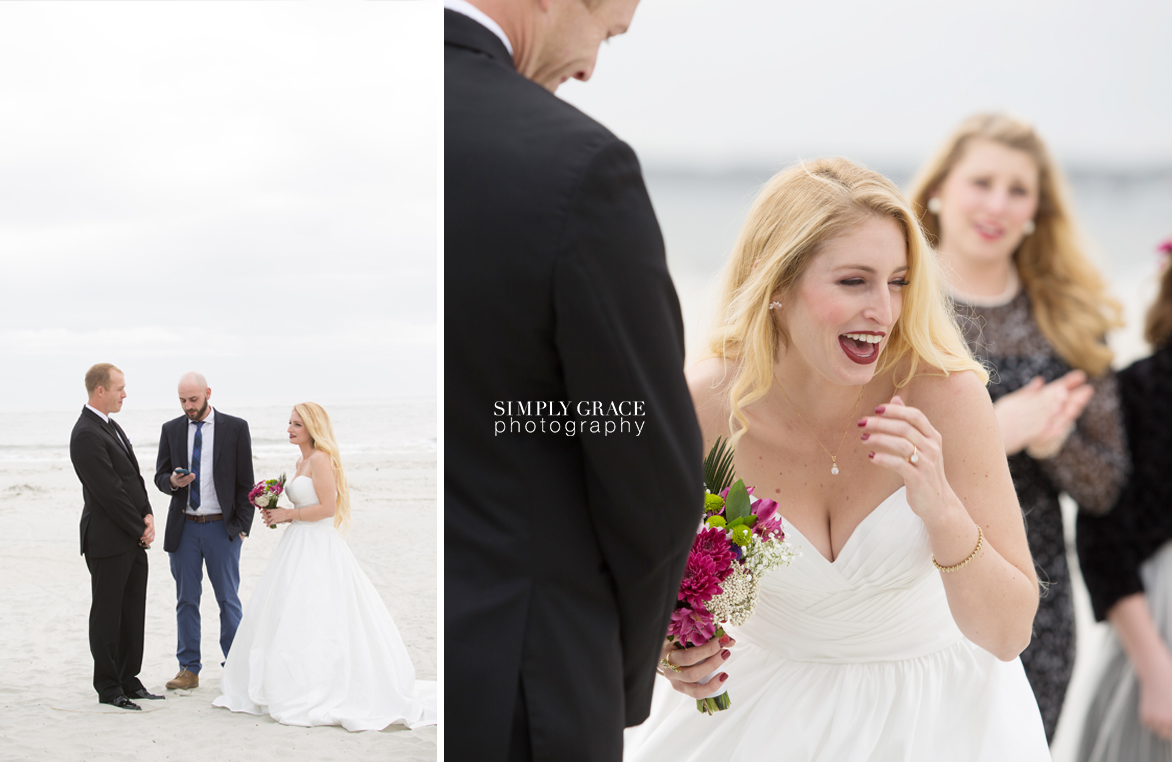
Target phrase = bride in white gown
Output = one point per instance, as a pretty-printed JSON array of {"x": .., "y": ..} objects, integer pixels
[
  {"x": 853, "y": 401},
  {"x": 317, "y": 645}
]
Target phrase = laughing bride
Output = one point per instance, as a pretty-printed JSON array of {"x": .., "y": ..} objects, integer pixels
[
  {"x": 853, "y": 401},
  {"x": 317, "y": 645}
]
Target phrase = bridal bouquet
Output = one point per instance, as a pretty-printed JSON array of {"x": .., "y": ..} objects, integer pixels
[
  {"x": 738, "y": 542},
  {"x": 264, "y": 494}
]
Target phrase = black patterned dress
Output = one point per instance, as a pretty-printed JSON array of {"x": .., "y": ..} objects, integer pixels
[{"x": 1090, "y": 468}]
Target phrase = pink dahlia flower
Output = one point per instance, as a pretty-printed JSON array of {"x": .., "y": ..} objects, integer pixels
[
  {"x": 701, "y": 580},
  {"x": 713, "y": 542}
]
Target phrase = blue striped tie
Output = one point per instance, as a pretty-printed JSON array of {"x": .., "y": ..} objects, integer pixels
[{"x": 195, "y": 448}]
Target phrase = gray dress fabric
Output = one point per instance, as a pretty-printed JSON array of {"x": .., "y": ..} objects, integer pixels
[
  {"x": 1112, "y": 731},
  {"x": 1091, "y": 468}
]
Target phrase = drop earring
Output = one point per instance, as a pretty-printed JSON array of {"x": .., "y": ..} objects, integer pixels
[
  {"x": 775, "y": 305},
  {"x": 934, "y": 205},
  {"x": 1029, "y": 227}
]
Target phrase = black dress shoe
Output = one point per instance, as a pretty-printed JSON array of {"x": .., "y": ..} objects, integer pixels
[
  {"x": 122, "y": 703},
  {"x": 143, "y": 693}
]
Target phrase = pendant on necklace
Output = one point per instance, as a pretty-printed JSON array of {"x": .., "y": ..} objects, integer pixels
[{"x": 833, "y": 468}]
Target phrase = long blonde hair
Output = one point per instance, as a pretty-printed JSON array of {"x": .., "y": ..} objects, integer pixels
[
  {"x": 797, "y": 210},
  {"x": 1067, "y": 296},
  {"x": 321, "y": 431}
]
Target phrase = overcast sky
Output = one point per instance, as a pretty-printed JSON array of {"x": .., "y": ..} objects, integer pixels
[
  {"x": 709, "y": 83},
  {"x": 243, "y": 188}
]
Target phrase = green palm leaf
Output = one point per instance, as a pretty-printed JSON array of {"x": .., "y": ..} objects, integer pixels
[{"x": 718, "y": 467}]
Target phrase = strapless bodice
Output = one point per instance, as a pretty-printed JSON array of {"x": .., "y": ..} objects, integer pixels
[
  {"x": 300, "y": 490},
  {"x": 880, "y": 600}
]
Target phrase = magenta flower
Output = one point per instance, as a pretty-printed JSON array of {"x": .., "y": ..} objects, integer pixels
[
  {"x": 701, "y": 580},
  {"x": 768, "y": 520},
  {"x": 713, "y": 542},
  {"x": 692, "y": 627}
]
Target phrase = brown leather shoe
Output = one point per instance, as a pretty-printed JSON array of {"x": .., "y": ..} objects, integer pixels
[{"x": 183, "y": 681}]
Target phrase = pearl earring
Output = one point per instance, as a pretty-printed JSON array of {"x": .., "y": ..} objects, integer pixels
[
  {"x": 934, "y": 205},
  {"x": 775, "y": 305},
  {"x": 1029, "y": 227}
]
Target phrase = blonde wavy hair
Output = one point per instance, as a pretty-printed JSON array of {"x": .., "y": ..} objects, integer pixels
[
  {"x": 1068, "y": 298},
  {"x": 321, "y": 432},
  {"x": 798, "y": 210}
]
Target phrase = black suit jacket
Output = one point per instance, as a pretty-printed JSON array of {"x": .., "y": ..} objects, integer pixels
[
  {"x": 231, "y": 472},
  {"x": 562, "y": 553},
  {"x": 114, "y": 493}
]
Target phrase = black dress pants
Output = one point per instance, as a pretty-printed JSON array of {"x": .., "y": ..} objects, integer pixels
[{"x": 117, "y": 621}]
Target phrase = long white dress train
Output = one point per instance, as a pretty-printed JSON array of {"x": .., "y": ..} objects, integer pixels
[
  {"x": 317, "y": 645},
  {"x": 858, "y": 659}
]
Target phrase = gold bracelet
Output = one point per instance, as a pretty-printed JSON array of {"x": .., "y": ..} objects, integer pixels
[{"x": 964, "y": 563}]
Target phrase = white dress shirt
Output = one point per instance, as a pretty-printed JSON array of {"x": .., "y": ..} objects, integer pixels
[
  {"x": 466, "y": 8},
  {"x": 209, "y": 502}
]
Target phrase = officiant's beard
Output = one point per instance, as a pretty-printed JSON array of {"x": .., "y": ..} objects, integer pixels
[{"x": 197, "y": 415}]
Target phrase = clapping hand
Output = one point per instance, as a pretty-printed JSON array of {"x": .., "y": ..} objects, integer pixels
[
  {"x": 1040, "y": 416},
  {"x": 693, "y": 664}
]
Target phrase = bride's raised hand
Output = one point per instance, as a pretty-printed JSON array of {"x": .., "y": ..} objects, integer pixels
[
  {"x": 903, "y": 441},
  {"x": 683, "y": 667}
]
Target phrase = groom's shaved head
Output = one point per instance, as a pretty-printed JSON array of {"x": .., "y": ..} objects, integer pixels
[{"x": 193, "y": 395}]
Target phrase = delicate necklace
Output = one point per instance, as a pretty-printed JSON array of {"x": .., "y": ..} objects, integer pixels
[{"x": 833, "y": 455}]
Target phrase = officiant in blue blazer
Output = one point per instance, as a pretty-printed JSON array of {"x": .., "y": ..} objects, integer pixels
[{"x": 205, "y": 464}]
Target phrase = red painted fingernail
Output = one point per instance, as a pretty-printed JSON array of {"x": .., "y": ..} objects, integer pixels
[
  {"x": 862, "y": 421},
  {"x": 871, "y": 455},
  {"x": 725, "y": 654},
  {"x": 879, "y": 410},
  {"x": 865, "y": 436},
  {"x": 723, "y": 676}
]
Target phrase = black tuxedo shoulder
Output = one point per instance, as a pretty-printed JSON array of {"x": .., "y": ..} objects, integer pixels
[
  {"x": 503, "y": 129},
  {"x": 231, "y": 420}
]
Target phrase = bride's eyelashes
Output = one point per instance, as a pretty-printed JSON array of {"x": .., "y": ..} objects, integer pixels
[{"x": 898, "y": 282}]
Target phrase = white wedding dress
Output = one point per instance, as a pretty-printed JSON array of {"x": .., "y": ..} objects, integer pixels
[
  {"x": 858, "y": 659},
  {"x": 317, "y": 645}
]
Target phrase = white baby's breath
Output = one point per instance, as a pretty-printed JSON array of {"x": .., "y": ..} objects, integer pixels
[{"x": 739, "y": 590}]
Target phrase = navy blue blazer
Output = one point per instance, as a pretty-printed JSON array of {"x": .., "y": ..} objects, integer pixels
[
  {"x": 231, "y": 472},
  {"x": 115, "y": 494}
]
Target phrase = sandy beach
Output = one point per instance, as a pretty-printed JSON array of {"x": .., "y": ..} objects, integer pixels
[{"x": 48, "y": 708}]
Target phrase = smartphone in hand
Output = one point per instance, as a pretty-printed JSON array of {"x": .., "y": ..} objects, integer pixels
[{"x": 182, "y": 471}]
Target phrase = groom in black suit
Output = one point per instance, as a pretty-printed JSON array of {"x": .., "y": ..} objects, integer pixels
[
  {"x": 117, "y": 526},
  {"x": 563, "y": 547},
  {"x": 205, "y": 465}
]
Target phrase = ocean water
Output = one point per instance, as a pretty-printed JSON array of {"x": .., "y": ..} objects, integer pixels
[
  {"x": 396, "y": 427},
  {"x": 1123, "y": 216}
]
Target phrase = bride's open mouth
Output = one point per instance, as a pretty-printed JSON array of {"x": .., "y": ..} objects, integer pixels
[{"x": 861, "y": 347}]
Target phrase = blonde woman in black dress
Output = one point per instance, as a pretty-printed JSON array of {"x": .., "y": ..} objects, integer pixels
[{"x": 1036, "y": 313}]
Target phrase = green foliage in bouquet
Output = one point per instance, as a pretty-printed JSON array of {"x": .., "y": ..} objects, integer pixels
[{"x": 718, "y": 467}]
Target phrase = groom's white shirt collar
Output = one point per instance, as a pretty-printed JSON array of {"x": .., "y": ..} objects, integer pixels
[
  {"x": 471, "y": 11},
  {"x": 105, "y": 418}
]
